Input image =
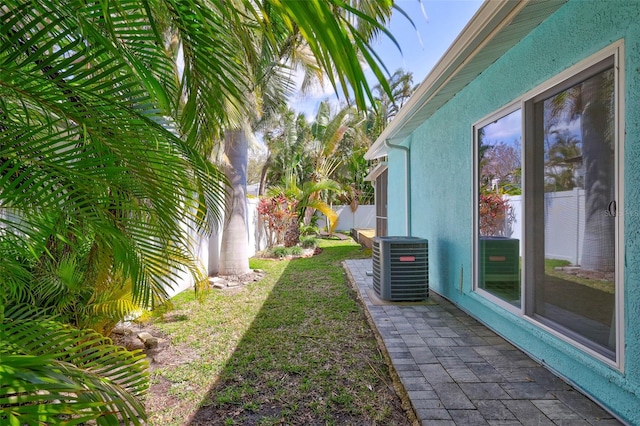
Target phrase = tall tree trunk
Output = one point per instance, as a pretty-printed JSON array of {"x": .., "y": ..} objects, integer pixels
[
  {"x": 263, "y": 175},
  {"x": 234, "y": 250},
  {"x": 598, "y": 159}
]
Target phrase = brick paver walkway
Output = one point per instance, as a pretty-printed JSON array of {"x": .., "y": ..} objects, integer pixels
[{"x": 458, "y": 372}]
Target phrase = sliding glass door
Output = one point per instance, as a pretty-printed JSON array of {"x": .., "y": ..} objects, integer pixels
[
  {"x": 574, "y": 207},
  {"x": 548, "y": 207}
]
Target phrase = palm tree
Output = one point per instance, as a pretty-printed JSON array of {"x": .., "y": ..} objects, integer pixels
[
  {"x": 592, "y": 102},
  {"x": 285, "y": 143},
  {"x": 306, "y": 196},
  {"x": 598, "y": 160},
  {"x": 328, "y": 150},
  {"x": 265, "y": 49},
  {"x": 234, "y": 254},
  {"x": 402, "y": 87},
  {"x": 355, "y": 190},
  {"x": 103, "y": 166},
  {"x": 562, "y": 160},
  {"x": 388, "y": 103},
  {"x": 271, "y": 44},
  {"x": 328, "y": 133},
  {"x": 312, "y": 162},
  {"x": 97, "y": 190}
]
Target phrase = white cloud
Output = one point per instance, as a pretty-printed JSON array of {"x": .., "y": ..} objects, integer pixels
[
  {"x": 309, "y": 102},
  {"x": 506, "y": 129}
]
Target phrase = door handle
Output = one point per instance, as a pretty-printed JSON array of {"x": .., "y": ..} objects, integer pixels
[{"x": 612, "y": 209}]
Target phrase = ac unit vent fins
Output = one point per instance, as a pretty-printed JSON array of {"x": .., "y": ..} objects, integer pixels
[{"x": 401, "y": 268}]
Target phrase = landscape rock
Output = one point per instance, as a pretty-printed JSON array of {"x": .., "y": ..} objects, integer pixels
[
  {"x": 144, "y": 336},
  {"x": 235, "y": 281},
  {"x": 133, "y": 344},
  {"x": 149, "y": 341},
  {"x": 122, "y": 330},
  {"x": 217, "y": 280},
  {"x": 152, "y": 343}
]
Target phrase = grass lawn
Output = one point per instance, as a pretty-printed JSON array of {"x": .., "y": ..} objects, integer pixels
[
  {"x": 604, "y": 285},
  {"x": 294, "y": 348}
]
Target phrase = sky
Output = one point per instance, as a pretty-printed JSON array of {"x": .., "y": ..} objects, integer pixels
[
  {"x": 507, "y": 129},
  {"x": 437, "y": 24}
]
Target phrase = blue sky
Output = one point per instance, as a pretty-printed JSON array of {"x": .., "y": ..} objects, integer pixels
[
  {"x": 507, "y": 129},
  {"x": 437, "y": 24}
]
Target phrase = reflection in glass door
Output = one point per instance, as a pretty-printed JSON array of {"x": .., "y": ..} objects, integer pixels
[
  {"x": 498, "y": 152},
  {"x": 575, "y": 209}
]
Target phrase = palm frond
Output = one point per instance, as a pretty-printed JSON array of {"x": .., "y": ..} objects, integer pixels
[
  {"x": 103, "y": 167},
  {"x": 326, "y": 210},
  {"x": 336, "y": 42},
  {"x": 335, "y": 131},
  {"x": 73, "y": 375},
  {"x": 90, "y": 142}
]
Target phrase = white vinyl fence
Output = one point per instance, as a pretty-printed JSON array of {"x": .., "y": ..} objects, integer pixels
[
  {"x": 207, "y": 250},
  {"x": 363, "y": 217},
  {"x": 563, "y": 224}
]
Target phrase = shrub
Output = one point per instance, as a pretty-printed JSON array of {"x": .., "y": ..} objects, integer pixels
[
  {"x": 279, "y": 213},
  {"x": 311, "y": 229},
  {"x": 495, "y": 211},
  {"x": 282, "y": 251},
  {"x": 295, "y": 250},
  {"x": 279, "y": 251},
  {"x": 308, "y": 241}
]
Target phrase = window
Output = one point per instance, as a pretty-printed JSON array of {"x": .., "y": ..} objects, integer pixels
[
  {"x": 499, "y": 169},
  {"x": 381, "y": 203},
  {"x": 547, "y": 240}
]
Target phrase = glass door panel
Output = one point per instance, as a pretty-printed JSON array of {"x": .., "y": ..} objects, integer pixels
[
  {"x": 499, "y": 157},
  {"x": 575, "y": 208}
]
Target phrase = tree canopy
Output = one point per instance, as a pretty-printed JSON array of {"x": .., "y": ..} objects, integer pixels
[{"x": 109, "y": 111}]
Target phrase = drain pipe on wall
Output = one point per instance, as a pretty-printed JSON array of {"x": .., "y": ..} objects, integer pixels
[{"x": 407, "y": 169}]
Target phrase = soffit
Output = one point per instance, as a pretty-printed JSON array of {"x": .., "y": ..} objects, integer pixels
[
  {"x": 377, "y": 171},
  {"x": 494, "y": 29}
]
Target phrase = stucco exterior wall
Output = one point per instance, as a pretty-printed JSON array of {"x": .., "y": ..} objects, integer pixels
[
  {"x": 396, "y": 188},
  {"x": 442, "y": 185}
]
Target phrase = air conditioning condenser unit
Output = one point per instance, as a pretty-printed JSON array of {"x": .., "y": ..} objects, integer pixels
[{"x": 400, "y": 268}]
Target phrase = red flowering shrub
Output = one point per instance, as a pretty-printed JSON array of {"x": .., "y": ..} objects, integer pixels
[
  {"x": 279, "y": 213},
  {"x": 494, "y": 212}
]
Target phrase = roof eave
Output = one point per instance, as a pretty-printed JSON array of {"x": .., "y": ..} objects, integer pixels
[
  {"x": 376, "y": 171},
  {"x": 492, "y": 16}
]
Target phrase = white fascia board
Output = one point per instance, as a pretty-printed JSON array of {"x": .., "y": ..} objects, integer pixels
[{"x": 492, "y": 16}]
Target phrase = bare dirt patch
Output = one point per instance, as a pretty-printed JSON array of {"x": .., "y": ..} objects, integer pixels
[{"x": 164, "y": 354}]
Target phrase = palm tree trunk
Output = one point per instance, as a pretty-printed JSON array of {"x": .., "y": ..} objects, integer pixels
[
  {"x": 598, "y": 159},
  {"x": 234, "y": 257},
  {"x": 263, "y": 175}
]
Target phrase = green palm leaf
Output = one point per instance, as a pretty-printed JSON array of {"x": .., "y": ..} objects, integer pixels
[
  {"x": 103, "y": 167},
  {"x": 66, "y": 145},
  {"x": 72, "y": 375}
]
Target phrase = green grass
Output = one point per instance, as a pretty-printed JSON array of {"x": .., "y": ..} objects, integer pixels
[
  {"x": 510, "y": 291},
  {"x": 293, "y": 348},
  {"x": 550, "y": 266}
]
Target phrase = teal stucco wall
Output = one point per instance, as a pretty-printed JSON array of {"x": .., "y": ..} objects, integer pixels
[
  {"x": 442, "y": 185},
  {"x": 396, "y": 188}
]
